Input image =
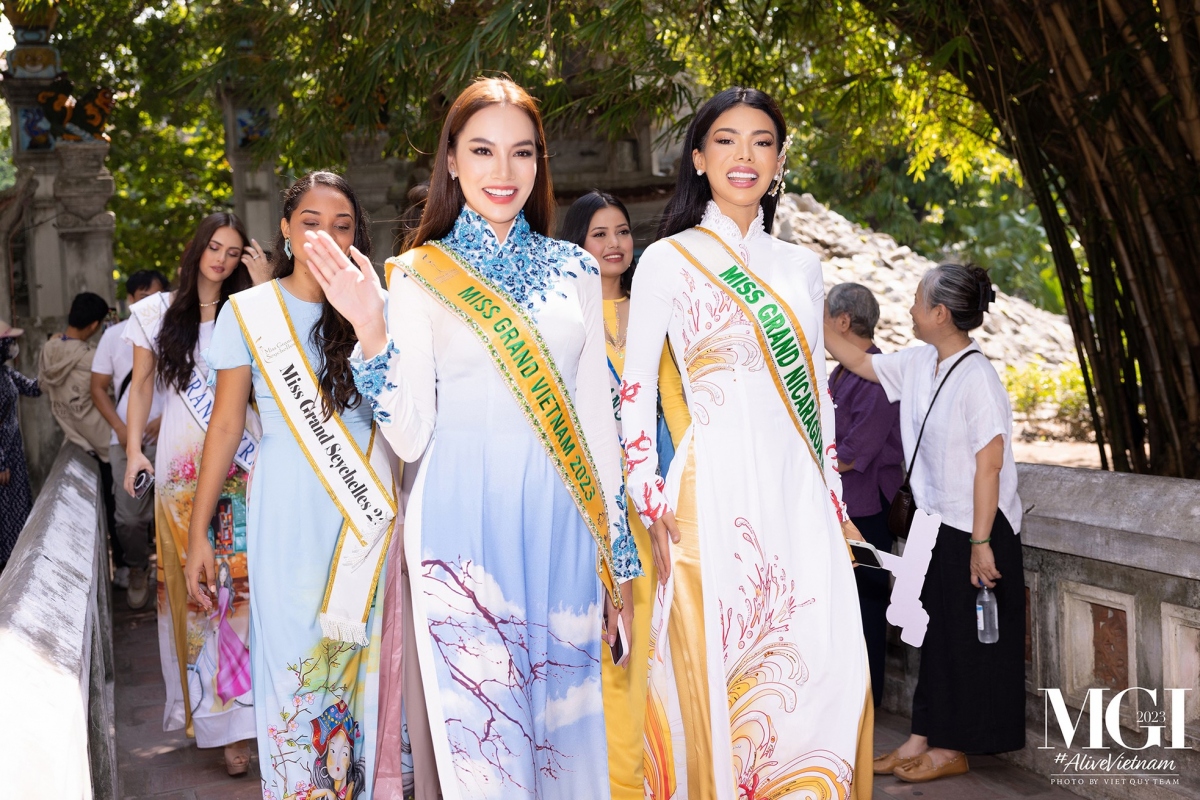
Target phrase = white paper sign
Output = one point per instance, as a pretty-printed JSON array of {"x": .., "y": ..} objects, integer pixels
[{"x": 905, "y": 610}]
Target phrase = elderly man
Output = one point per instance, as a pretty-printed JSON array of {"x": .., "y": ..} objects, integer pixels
[{"x": 870, "y": 458}]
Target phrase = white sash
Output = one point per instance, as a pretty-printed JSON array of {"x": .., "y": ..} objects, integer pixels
[
  {"x": 352, "y": 479},
  {"x": 198, "y": 395}
]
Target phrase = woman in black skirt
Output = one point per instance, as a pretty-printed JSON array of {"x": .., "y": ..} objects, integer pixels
[{"x": 970, "y": 696}]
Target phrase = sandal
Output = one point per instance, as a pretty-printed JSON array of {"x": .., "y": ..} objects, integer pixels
[{"x": 237, "y": 758}]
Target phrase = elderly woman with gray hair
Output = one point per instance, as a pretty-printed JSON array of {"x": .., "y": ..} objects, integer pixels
[
  {"x": 970, "y": 696},
  {"x": 869, "y": 455}
]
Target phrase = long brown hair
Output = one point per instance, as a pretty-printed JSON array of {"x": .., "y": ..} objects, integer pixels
[
  {"x": 446, "y": 199},
  {"x": 333, "y": 336},
  {"x": 181, "y": 324}
]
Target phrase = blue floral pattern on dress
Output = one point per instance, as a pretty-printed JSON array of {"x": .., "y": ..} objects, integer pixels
[
  {"x": 525, "y": 265},
  {"x": 370, "y": 377},
  {"x": 626, "y": 563}
]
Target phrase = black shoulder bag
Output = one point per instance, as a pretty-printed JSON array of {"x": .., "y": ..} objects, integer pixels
[{"x": 904, "y": 507}]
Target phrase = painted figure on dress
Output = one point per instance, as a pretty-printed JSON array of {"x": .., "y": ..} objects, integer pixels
[
  {"x": 337, "y": 771},
  {"x": 599, "y": 223},
  {"x": 321, "y": 504},
  {"x": 169, "y": 334},
  {"x": 758, "y": 675},
  {"x": 492, "y": 370}
]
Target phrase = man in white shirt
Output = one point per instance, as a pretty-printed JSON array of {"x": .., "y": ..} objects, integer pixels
[{"x": 112, "y": 368}]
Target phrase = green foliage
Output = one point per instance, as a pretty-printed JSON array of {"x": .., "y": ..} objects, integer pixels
[
  {"x": 167, "y": 155},
  {"x": 8, "y": 172},
  {"x": 886, "y": 136},
  {"x": 1053, "y": 402},
  {"x": 395, "y": 66},
  {"x": 987, "y": 218}
]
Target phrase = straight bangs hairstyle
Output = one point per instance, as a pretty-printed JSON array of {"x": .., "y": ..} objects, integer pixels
[
  {"x": 181, "y": 323},
  {"x": 445, "y": 201},
  {"x": 333, "y": 335},
  {"x": 578, "y": 224},
  {"x": 692, "y": 192}
]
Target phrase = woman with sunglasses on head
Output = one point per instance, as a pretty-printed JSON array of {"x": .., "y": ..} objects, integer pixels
[
  {"x": 515, "y": 539},
  {"x": 599, "y": 223},
  {"x": 758, "y": 676}
]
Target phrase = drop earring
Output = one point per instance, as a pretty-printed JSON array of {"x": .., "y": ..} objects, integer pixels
[
  {"x": 287, "y": 247},
  {"x": 453, "y": 176}
]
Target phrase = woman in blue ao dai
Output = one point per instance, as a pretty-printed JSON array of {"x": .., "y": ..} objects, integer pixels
[
  {"x": 503, "y": 569},
  {"x": 315, "y": 699}
]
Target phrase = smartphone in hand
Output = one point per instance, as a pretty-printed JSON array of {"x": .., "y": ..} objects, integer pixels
[
  {"x": 865, "y": 553},
  {"x": 142, "y": 484},
  {"x": 619, "y": 650}
]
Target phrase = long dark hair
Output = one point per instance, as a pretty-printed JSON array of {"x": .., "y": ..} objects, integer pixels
[
  {"x": 692, "y": 192},
  {"x": 333, "y": 336},
  {"x": 579, "y": 221},
  {"x": 181, "y": 324},
  {"x": 445, "y": 201}
]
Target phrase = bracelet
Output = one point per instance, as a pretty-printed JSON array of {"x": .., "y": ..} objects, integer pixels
[{"x": 981, "y": 541}]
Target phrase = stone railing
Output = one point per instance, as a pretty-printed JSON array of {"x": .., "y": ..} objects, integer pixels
[
  {"x": 56, "y": 660},
  {"x": 1112, "y": 575}
]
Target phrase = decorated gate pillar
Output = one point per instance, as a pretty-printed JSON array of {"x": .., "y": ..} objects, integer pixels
[
  {"x": 377, "y": 181},
  {"x": 257, "y": 195},
  {"x": 63, "y": 242}
]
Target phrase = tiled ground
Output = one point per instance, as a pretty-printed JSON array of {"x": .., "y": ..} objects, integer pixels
[
  {"x": 151, "y": 762},
  {"x": 167, "y": 766},
  {"x": 989, "y": 776}
]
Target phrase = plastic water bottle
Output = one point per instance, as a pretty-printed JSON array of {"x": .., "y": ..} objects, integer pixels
[{"x": 987, "y": 616}]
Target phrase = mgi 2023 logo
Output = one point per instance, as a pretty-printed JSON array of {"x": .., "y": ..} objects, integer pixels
[{"x": 1112, "y": 759}]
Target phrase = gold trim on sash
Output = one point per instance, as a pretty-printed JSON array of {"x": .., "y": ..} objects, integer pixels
[
  {"x": 334, "y": 417},
  {"x": 791, "y": 388},
  {"x": 524, "y": 363},
  {"x": 344, "y": 622}
]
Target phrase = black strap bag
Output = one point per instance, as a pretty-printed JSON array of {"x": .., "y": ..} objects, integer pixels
[{"x": 904, "y": 507}]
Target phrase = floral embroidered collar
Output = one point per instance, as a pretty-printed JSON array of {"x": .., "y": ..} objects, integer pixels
[
  {"x": 525, "y": 265},
  {"x": 728, "y": 230}
]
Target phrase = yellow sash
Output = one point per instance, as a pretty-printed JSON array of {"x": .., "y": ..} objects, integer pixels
[
  {"x": 779, "y": 334},
  {"x": 524, "y": 362}
]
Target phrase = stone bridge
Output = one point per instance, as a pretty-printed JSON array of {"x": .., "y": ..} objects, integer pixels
[{"x": 1113, "y": 573}]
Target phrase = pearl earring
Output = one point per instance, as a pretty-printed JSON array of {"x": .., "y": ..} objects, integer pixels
[{"x": 699, "y": 172}]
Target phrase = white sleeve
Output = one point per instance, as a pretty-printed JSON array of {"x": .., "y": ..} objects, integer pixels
[
  {"x": 988, "y": 412},
  {"x": 401, "y": 382},
  {"x": 833, "y": 478},
  {"x": 135, "y": 334},
  {"x": 593, "y": 405},
  {"x": 890, "y": 369},
  {"x": 650, "y": 309},
  {"x": 102, "y": 362}
]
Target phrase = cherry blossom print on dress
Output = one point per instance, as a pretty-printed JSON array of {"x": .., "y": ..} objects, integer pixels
[{"x": 499, "y": 662}]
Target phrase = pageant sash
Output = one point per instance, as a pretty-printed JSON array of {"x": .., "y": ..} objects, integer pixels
[
  {"x": 524, "y": 362},
  {"x": 779, "y": 333},
  {"x": 352, "y": 479},
  {"x": 198, "y": 396}
]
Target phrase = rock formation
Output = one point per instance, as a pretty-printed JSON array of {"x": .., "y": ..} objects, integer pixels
[{"x": 1015, "y": 331}]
